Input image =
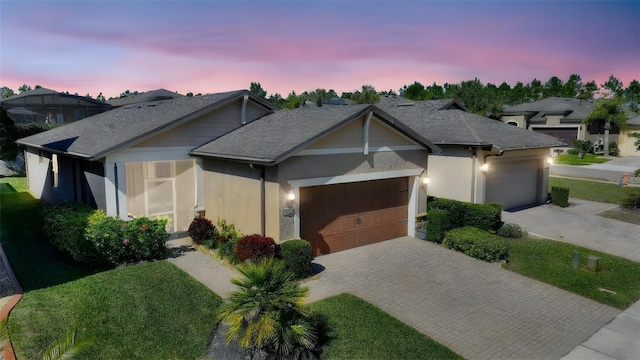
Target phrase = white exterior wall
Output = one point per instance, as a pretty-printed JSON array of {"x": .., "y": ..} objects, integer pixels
[{"x": 38, "y": 174}]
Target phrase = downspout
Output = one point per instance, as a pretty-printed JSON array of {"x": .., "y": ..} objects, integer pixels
[
  {"x": 115, "y": 179},
  {"x": 474, "y": 182},
  {"x": 263, "y": 219},
  {"x": 365, "y": 134},
  {"x": 243, "y": 110}
]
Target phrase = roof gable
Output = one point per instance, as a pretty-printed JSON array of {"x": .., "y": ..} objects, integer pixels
[{"x": 275, "y": 137}]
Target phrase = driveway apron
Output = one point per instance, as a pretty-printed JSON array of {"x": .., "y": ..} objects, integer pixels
[{"x": 479, "y": 310}]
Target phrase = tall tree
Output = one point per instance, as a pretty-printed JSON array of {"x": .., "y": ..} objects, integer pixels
[
  {"x": 257, "y": 89},
  {"x": 588, "y": 91},
  {"x": 368, "y": 95},
  {"x": 100, "y": 97},
  {"x": 535, "y": 90},
  {"x": 479, "y": 99},
  {"x": 573, "y": 86},
  {"x": 610, "y": 111},
  {"x": 632, "y": 95},
  {"x": 415, "y": 91},
  {"x": 553, "y": 87},
  {"x": 6, "y": 92},
  {"x": 24, "y": 88},
  {"x": 612, "y": 87}
]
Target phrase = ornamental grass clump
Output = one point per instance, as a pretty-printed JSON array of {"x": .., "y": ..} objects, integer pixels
[{"x": 267, "y": 313}]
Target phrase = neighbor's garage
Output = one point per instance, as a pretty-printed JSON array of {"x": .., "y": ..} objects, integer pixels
[
  {"x": 343, "y": 216},
  {"x": 514, "y": 184},
  {"x": 566, "y": 135}
]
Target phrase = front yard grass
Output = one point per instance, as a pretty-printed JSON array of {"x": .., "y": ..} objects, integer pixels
[
  {"x": 145, "y": 311},
  {"x": 629, "y": 215},
  {"x": 591, "y": 190},
  {"x": 568, "y": 159},
  {"x": 360, "y": 330},
  {"x": 549, "y": 261}
]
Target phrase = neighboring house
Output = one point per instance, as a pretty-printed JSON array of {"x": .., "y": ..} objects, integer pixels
[
  {"x": 49, "y": 106},
  {"x": 516, "y": 172},
  {"x": 626, "y": 140},
  {"x": 134, "y": 160},
  {"x": 148, "y": 96}
]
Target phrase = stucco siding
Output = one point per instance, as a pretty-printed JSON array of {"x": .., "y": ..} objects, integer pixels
[
  {"x": 205, "y": 128},
  {"x": 351, "y": 136},
  {"x": 519, "y": 119},
  {"x": 38, "y": 175},
  {"x": 451, "y": 177},
  {"x": 627, "y": 142},
  {"x": 553, "y": 120}
]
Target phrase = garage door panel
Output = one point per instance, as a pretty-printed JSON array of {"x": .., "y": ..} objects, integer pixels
[
  {"x": 337, "y": 217},
  {"x": 513, "y": 184}
]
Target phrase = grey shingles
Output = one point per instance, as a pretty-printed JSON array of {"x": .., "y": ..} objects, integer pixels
[
  {"x": 276, "y": 136},
  {"x": 95, "y": 136},
  {"x": 153, "y": 95},
  {"x": 451, "y": 126},
  {"x": 573, "y": 110}
]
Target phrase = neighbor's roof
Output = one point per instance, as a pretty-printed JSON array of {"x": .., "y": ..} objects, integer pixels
[
  {"x": 449, "y": 125},
  {"x": 153, "y": 95},
  {"x": 96, "y": 136},
  {"x": 573, "y": 110},
  {"x": 279, "y": 135},
  {"x": 30, "y": 98},
  {"x": 635, "y": 120}
]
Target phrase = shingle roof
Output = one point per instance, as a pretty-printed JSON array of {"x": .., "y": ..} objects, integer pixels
[
  {"x": 574, "y": 110},
  {"x": 153, "y": 95},
  {"x": 96, "y": 136},
  {"x": 277, "y": 136},
  {"x": 452, "y": 126},
  {"x": 23, "y": 98},
  {"x": 635, "y": 120}
]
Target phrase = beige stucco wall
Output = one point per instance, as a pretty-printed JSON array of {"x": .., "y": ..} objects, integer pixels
[
  {"x": 232, "y": 193},
  {"x": 627, "y": 142},
  {"x": 452, "y": 176},
  {"x": 553, "y": 120}
]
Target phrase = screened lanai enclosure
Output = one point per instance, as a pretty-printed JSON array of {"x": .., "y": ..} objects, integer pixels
[{"x": 163, "y": 189}]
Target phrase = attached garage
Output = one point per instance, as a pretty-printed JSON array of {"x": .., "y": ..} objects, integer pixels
[
  {"x": 514, "y": 184},
  {"x": 565, "y": 134},
  {"x": 343, "y": 216}
]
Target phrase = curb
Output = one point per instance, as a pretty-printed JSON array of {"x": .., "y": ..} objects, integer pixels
[{"x": 8, "y": 353}]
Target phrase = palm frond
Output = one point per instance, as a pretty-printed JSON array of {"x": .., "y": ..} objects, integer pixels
[{"x": 65, "y": 348}]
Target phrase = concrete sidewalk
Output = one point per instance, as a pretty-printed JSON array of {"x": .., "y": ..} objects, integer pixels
[
  {"x": 618, "y": 340},
  {"x": 610, "y": 171}
]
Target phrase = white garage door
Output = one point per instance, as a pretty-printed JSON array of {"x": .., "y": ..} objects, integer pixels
[{"x": 514, "y": 184}]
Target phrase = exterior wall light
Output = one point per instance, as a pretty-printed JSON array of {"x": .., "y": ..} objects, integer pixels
[
  {"x": 549, "y": 160},
  {"x": 289, "y": 211},
  {"x": 425, "y": 180},
  {"x": 484, "y": 168},
  {"x": 291, "y": 196}
]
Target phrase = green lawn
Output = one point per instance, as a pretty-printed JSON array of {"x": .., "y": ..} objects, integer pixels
[
  {"x": 359, "y": 330},
  {"x": 147, "y": 311},
  {"x": 568, "y": 159},
  {"x": 621, "y": 214},
  {"x": 550, "y": 261},
  {"x": 592, "y": 190}
]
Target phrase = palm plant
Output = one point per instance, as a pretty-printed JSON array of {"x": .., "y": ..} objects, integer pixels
[{"x": 267, "y": 312}]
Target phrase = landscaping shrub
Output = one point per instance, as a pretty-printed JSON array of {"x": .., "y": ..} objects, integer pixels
[
  {"x": 256, "y": 247},
  {"x": 613, "y": 149},
  {"x": 64, "y": 226},
  {"x": 227, "y": 232},
  {"x": 483, "y": 216},
  {"x": 92, "y": 238},
  {"x": 105, "y": 234},
  {"x": 227, "y": 250},
  {"x": 512, "y": 231},
  {"x": 147, "y": 238},
  {"x": 573, "y": 151},
  {"x": 636, "y": 173},
  {"x": 296, "y": 255},
  {"x": 633, "y": 198},
  {"x": 584, "y": 146},
  {"x": 477, "y": 243},
  {"x": 438, "y": 222},
  {"x": 560, "y": 196},
  {"x": 202, "y": 229}
]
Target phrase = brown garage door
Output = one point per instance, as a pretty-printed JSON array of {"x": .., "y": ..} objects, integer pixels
[
  {"x": 566, "y": 135},
  {"x": 514, "y": 184},
  {"x": 343, "y": 216}
]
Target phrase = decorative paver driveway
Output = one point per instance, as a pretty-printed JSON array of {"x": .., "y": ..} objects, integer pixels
[{"x": 479, "y": 310}]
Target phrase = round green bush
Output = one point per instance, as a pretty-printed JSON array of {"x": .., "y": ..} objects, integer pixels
[
  {"x": 297, "y": 257},
  {"x": 512, "y": 231}
]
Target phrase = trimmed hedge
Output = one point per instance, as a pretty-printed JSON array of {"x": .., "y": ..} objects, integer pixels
[
  {"x": 446, "y": 214},
  {"x": 92, "y": 238},
  {"x": 477, "y": 243},
  {"x": 560, "y": 196},
  {"x": 297, "y": 257}
]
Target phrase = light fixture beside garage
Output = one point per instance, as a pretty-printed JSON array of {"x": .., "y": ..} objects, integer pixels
[
  {"x": 289, "y": 211},
  {"x": 291, "y": 196},
  {"x": 484, "y": 168}
]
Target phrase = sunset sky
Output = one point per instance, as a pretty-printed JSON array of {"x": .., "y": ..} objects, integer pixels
[{"x": 211, "y": 46}]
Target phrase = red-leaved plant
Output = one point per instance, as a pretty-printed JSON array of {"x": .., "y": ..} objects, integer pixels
[{"x": 256, "y": 247}]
